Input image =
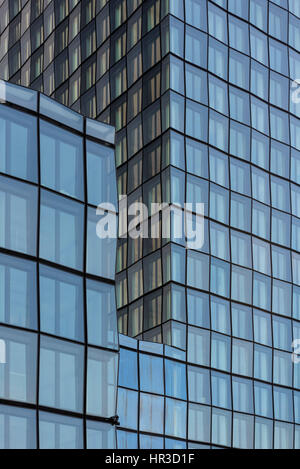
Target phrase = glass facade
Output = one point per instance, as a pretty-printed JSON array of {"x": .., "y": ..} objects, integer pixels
[
  {"x": 58, "y": 323},
  {"x": 201, "y": 95}
]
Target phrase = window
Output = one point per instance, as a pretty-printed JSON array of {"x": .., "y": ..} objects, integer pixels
[
  {"x": 217, "y": 23},
  {"x": 241, "y": 284},
  {"x": 280, "y": 160},
  {"x": 18, "y": 144},
  {"x": 197, "y": 158},
  {"x": 176, "y": 418},
  {"x": 199, "y": 423},
  {"x": 281, "y": 228},
  {"x": 101, "y": 382},
  {"x": 196, "y": 84},
  {"x": 220, "y": 352},
  {"x": 61, "y": 375},
  {"x": 239, "y": 106},
  {"x": 240, "y": 177},
  {"x": 278, "y": 56},
  {"x": 221, "y": 427},
  {"x": 238, "y": 35},
  {"x": 199, "y": 385},
  {"x": 61, "y": 160},
  {"x": 175, "y": 375},
  {"x": 259, "y": 80},
  {"x": 241, "y": 317},
  {"x": 259, "y": 13},
  {"x": 18, "y": 209},
  {"x": 198, "y": 308},
  {"x": 18, "y": 376},
  {"x": 262, "y": 363},
  {"x": 100, "y": 257},
  {"x": 218, "y": 58},
  {"x": 196, "y": 47},
  {"x": 18, "y": 304},
  {"x": 100, "y": 435},
  {"x": 151, "y": 413},
  {"x": 218, "y": 131},
  {"x": 61, "y": 303},
  {"x": 263, "y": 399},
  {"x": 197, "y": 269},
  {"x": 196, "y": 13},
  {"x": 240, "y": 212},
  {"x": 221, "y": 390},
  {"x": 260, "y": 186},
  {"x": 60, "y": 431},
  {"x": 219, "y": 241},
  {"x": 242, "y": 391},
  {"x": 218, "y": 95},
  {"x": 241, "y": 249},
  {"x": 278, "y": 23},
  {"x": 128, "y": 369},
  {"x": 101, "y": 315},
  {"x": 151, "y": 370},
  {"x": 239, "y": 69},
  {"x": 196, "y": 120},
  {"x": 198, "y": 346},
  {"x": 61, "y": 230},
  {"x": 101, "y": 175},
  {"x": 17, "y": 428}
]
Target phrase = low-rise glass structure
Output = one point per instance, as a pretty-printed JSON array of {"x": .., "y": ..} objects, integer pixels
[{"x": 58, "y": 328}]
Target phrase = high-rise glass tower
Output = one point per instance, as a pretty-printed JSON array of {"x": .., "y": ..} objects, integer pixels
[{"x": 203, "y": 97}]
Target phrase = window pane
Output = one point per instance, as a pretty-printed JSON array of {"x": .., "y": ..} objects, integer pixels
[
  {"x": 61, "y": 160},
  {"x": 101, "y": 383},
  {"x": 18, "y": 304},
  {"x": 60, "y": 432},
  {"x": 61, "y": 374},
  {"x": 101, "y": 315},
  {"x": 61, "y": 230},
  {"x": 17, "y": 428},
  {"x": 18, "y": 210},
  {"x": 18, "y": 144},
  {"x": 18, "y": 375}
]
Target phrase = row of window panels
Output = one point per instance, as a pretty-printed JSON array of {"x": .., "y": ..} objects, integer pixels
[
  {"x": 62, "y": 229},
  {"x": 241, "y": 142},
  {"x": 205, "y": 124},
  {"x": 238, "y": 37},
  {"x": 174, "y": 258},
  {"x": 196, "y": 52},
  {"x": 193, "y": 82},
  {"x": 61, "y": 302},
  {"x": 224, "y": 429},
  {"x": 176, "y": 188},
  {"x": 202, "y": 272},
  {"x": 193, "y": 12},
  {"x": 205, "y": 348},
  {"x": 208, "y": 163},
  {"x": 213, "y": 350},
  {"x": 218, "y": 240},
  {"x": 151, "y": 412},
  {"x": 198, "y": 309},
  {"x": 54, "y": 12},
  {"x": 18, "y": 431},
  {"x": 61, "y": 158},
  {"x": 62, "y": 373}
]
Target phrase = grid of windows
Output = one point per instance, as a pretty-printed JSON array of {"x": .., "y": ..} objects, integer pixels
[
  {"x": 200, "y": 94},
  {"x": 171, "y": 399},
  {"x": 58, "y": 324}
]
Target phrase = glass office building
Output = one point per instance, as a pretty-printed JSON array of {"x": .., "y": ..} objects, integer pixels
[
  {"x": 202, "y": 96},
  {"x": 58, "y": 325}
]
